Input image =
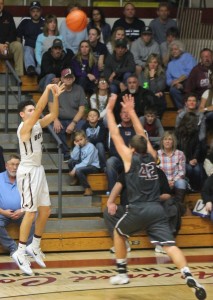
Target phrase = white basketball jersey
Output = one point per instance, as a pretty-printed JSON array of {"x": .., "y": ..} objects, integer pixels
[{"x": 31, "y": 150}]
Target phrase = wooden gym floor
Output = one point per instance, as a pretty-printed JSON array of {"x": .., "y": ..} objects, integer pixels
[{"x": 85, "y": 275}]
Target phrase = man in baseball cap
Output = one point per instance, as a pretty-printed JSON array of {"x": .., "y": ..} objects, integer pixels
[
  {"x": 67, "y": 72},
  {"x": 57, "y": 43},
  {"x": 35, "y": 4}
]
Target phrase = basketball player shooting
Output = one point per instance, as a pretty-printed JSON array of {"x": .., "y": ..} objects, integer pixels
[
  {"x": 31, "y": 179},
  {"x": 144, "y": 210}
]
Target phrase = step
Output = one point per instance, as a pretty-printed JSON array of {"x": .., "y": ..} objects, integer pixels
[{"x": 169, "y": 119}]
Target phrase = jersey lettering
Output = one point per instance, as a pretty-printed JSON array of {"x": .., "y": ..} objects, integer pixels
[
  {"x": 38, "y": 136},
  {"x": 148, "y": 171}
]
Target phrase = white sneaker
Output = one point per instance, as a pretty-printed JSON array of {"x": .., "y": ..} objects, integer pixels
[
  {"x": 197, "y": 288},
  {"x": 159, "y": 249},
  {"x": 119, "y": 279},
  {"x": 22, "y": 262},
  {"x": 37, "y": 254},
  {"x": 128, "y": 248}
]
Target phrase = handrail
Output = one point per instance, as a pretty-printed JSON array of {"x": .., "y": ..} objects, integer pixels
[
  {"x": 19, "y": 83},
  {"x": 59, "y": 144}
]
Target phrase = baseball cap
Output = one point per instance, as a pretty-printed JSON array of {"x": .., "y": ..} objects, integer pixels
[
  {"x": 57, "y": 43},
  {"x": 121, "y": 43},
  {"x": 147, "y": 30},
  {"x": 66, "y": 72},
  {"x": 35, "y": 4}
]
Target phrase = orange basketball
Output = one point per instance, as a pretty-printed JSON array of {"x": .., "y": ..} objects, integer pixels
[{"x": 76, "y": 20}]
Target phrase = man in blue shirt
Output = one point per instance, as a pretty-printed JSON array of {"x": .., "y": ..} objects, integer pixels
[{"x": 10, "y": 204}]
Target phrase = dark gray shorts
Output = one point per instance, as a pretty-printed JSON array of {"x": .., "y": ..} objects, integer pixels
[{"x": 150, "y": 217}]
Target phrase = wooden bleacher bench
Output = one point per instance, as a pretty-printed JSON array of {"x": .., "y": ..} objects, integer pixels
[
  {"x": 194, "y": 232},
  {"x": 29, "y": 84}
]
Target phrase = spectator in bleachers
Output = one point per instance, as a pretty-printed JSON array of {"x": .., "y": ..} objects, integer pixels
[
  {"x": 206, "y": 103},
  {"x": 143, "y": 97},
  {"x": 173, "y": 162},
  {"x": 53, "y": 61},
  {"x": 71, "y": 110},
  {"x": 153, "y": 78},
  {"x": 119, "y": 66},
  {"x": 10, "y": 204},
  {"x": 171, "y": 35},
  {"x": 28, "y": 30},
  {"x": 118, "y": 34},
  {"x": 97, "y": 19},
  {"x": 191, "y": 105},
  {"x": 177, "y": 71},
  {"x": 84, "y": 161},
  {"x": 187, "y": 133},
  {"x": 85, "y": 68},
  {"x": 96, "y": 134},
  {"x": 114, "y": 164},
  {"x": 2, "y": 162},
  {"x": 130, "y": 22},
  {"x": 143, "y": 47},
  {"x": 45, "y": 40},
  {"x": 162, "y": 23},
  {"x": 8, "y": 42},
  {"x": 99, "y": 49},
  {"x": 153, "y": 126},
  {"x": 72, "y": 39},
  {"x": 198, "y": 80},
  {"x": 100, "y": 98}
]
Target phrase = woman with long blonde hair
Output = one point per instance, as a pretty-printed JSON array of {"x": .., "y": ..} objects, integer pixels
[{"x": 85, "y": 68}]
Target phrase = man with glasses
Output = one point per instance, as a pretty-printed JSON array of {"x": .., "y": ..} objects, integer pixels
[{"x": 10, "y": 204}]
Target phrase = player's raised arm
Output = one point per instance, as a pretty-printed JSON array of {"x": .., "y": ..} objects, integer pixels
[
  {"x": 53, "y": 114},
  {"x": 129, "y": 105},
  {"x": 120, "y": 146}
]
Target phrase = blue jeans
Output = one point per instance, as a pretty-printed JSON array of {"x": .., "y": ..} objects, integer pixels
[
  {"x": 5, "y": 240},
  {"x": 44, "y": 81},
  {"x": 114, "y": 166},
  {"x": 101, "y": 154},
  {"x": 81, "y": 173},
  {"x": 63, "y": 135},
  {"x": 177, "y": 96},
  {"x": 29, "y": 58},
  {"x": 180, "y": 184},
  {"x": 195, "y": 175}
]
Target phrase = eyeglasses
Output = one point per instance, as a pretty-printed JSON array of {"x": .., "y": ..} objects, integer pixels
[{"x": 102, "y": 81}]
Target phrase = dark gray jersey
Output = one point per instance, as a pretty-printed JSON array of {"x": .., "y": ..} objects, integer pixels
[{"x": 142, "y": 179}]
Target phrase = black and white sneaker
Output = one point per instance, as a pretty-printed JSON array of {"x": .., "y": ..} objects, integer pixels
[
  {"x": 22, "y": 262},
  {"x": 198, "y": 289}
]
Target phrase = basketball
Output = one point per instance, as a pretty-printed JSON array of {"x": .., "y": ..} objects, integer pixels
[{"x": 76, "y": 20}]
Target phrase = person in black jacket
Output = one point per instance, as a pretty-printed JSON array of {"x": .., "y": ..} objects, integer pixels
[
  {"x": 119, "y": 66},
  {"x": 142, "y": 97},
  {"x": 53, "y": 62},
  {"x": 8, "y": 43}
]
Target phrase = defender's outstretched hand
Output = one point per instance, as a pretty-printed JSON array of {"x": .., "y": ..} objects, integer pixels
[{"x": 128, "y": 102}]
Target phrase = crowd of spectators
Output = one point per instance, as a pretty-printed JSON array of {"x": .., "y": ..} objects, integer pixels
[{"x": 143, "y": 60}]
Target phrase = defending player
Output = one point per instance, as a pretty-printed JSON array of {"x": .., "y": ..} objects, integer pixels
[
  {"x": 31, "y": 179},
  {"x": 144, "y": 211}
]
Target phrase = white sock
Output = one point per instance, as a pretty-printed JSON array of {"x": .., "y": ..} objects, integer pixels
[
  {"x": 36, "y": 242},
  {"x": 185, "y": 270},
  {"x": 22, "y": 248},
  {"x": 121, "y": 261}
]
